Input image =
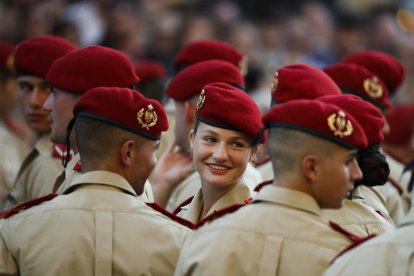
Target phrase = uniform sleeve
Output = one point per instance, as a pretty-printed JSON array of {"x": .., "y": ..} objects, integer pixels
[
  {"x": 7, "y": 263},
  {"x": 227, "y": 252}
]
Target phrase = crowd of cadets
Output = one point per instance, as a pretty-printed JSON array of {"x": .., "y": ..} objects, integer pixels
[{"x": 319, "y": 183}]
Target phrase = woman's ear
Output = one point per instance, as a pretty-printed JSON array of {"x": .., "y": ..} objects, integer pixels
[
  {"x": 127, "y": 153},
  {"x": 190, "y": 112},
  {"x": 191, "y": 136},
  {"x": 254, "y": 152},
  {"x": 310, "y": 167}
]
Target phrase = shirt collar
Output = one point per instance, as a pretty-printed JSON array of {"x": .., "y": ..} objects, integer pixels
[
  {"x": 290, "y": 198},
  {"x": 101, "y": 178}
]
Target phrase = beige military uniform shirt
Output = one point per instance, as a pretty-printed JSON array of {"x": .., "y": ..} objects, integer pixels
[
  {"x": 190, "y": 186},
  {"x": 98, "y": 226},
  {"x": 280, "y": 233},
  {"x": 373, "y": 198},
  {"x": 239, "y": 194},
  {"x": 37, "y": 174},
  {"x": 13, "y": 150},
  {"x": 358, "y": 218},
  {"x": 397, "y": 174},
  {"x": 395, "y": 203},
  {"x": 65, "y": 178},
  {"x": 390, "y": 254}
]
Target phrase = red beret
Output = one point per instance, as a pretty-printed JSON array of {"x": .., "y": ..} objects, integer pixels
[
  {"x": 385, "y": 66},
  {"x": 150, "y": 69},
  {"x": 301, "y": 81},
  {"x": 357, "y": 80},
  {"x": 35, "y": 56},
  {"x": 324, "y": 120},
  {"x": 192, "y": 79},
  {"x": 123, "y": 108},
  {"x": 6, "y": 55},
  {"x": 201, "y": 50},
  {"x": 365, "y": 113},
  {"x": 401, "y": 121},
  {"x": 90, "y": 67},
  {"x": 225, "y": 106}
]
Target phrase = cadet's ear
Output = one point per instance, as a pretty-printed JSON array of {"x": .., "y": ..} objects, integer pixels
[
  {"x": 190, "y": 112},
  {"x": 191, "y": 137},
  {"x": 127, "y": 153},
  {"x": 310, "y": 167}
]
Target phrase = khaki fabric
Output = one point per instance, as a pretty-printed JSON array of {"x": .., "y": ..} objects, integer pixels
[
  {"x": 371, "y": 197},
  {"x": 395, "y": 203},
  {"x": 13, "y": 151},
  {"x": 403, "y": 178},
  {"x": 37, "y": 175},
  {"x": 280, "y": 233},
  {"x": 237, "y": 195},
  {"x": 358, "y": 219},
  {"x": 97, "y": 227},
  {"x": 190, "y": 186},
  {"x": 390, "y": 254},
  {"x": 266, "y": 171}
]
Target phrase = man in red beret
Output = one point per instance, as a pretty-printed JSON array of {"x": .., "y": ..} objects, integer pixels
[
  {"x": 107, "y": 228},
  {"x": 356, "y": 79},
  {"x": 152, "y": 79},
  {"x": 399, "y": 146},
  {"x": 356, "y": 216},
  {"x": 13, "y": 147},
  {"x": 173, "y": 180},
  {"x": 73, "y": 75},
  {"x": 293, "y": 82},
  {"x": 32, "y": 59},
  {"x": 313, "y": 148}
]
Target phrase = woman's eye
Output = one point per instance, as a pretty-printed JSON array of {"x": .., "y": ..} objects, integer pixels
[
  {"x": 237, "y": 144},
  {"x": 25, "y": 87}
]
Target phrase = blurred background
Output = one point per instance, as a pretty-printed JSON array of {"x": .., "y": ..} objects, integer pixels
[{"x": 272, "y": 33}]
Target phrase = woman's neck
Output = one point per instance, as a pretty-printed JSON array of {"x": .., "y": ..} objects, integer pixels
[{"x": 211, "y": 194}]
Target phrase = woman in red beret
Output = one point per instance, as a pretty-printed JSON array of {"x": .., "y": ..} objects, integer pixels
[{"x": 226, "y": 137}]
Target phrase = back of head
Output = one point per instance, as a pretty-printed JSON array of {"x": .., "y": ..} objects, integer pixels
[
  {"x": 301, "y": 126},
  {"x": 202, "y": 50},
  {"x": 190, "y": 81},
  {"x": 153, "y": 76},
  {"x": 35, "y": 56},
  {"x": 287, "y": 147},
  {"x": 91, "y": 67}
]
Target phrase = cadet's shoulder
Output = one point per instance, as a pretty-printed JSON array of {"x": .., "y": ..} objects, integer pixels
[{"x": 26, "y": 205}]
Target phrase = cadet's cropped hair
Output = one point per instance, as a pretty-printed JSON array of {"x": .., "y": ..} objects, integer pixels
[{"x": 287, "y": 148}]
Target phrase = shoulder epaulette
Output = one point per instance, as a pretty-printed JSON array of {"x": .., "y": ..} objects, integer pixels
[
  {"x": 78, "y": 166},
  {"x": 184, "y": 203},
  {"x": 175, "y": 218},
  {"x": 356, "y": 240},
  {"x": 222, "y": 212},
  {"x": 59, "y": 151},
  {"x": 396, "y": 185},
  {"x": 26, "y": 205},
  {"x": 261, "y": 185}
]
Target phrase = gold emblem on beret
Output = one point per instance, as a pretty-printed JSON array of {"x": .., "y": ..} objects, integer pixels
[
  {"x": 338, "y": 123},
  {"x": 244, "y": 65},
  {"x": 275, "y": 81},
  {"x": 201, "y": 100},
  {"x": 147, "y": 117},
  {"x": 373, "y": 87}
]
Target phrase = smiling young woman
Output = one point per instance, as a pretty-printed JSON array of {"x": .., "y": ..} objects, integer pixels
[{"x": 223, "y": 142}]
